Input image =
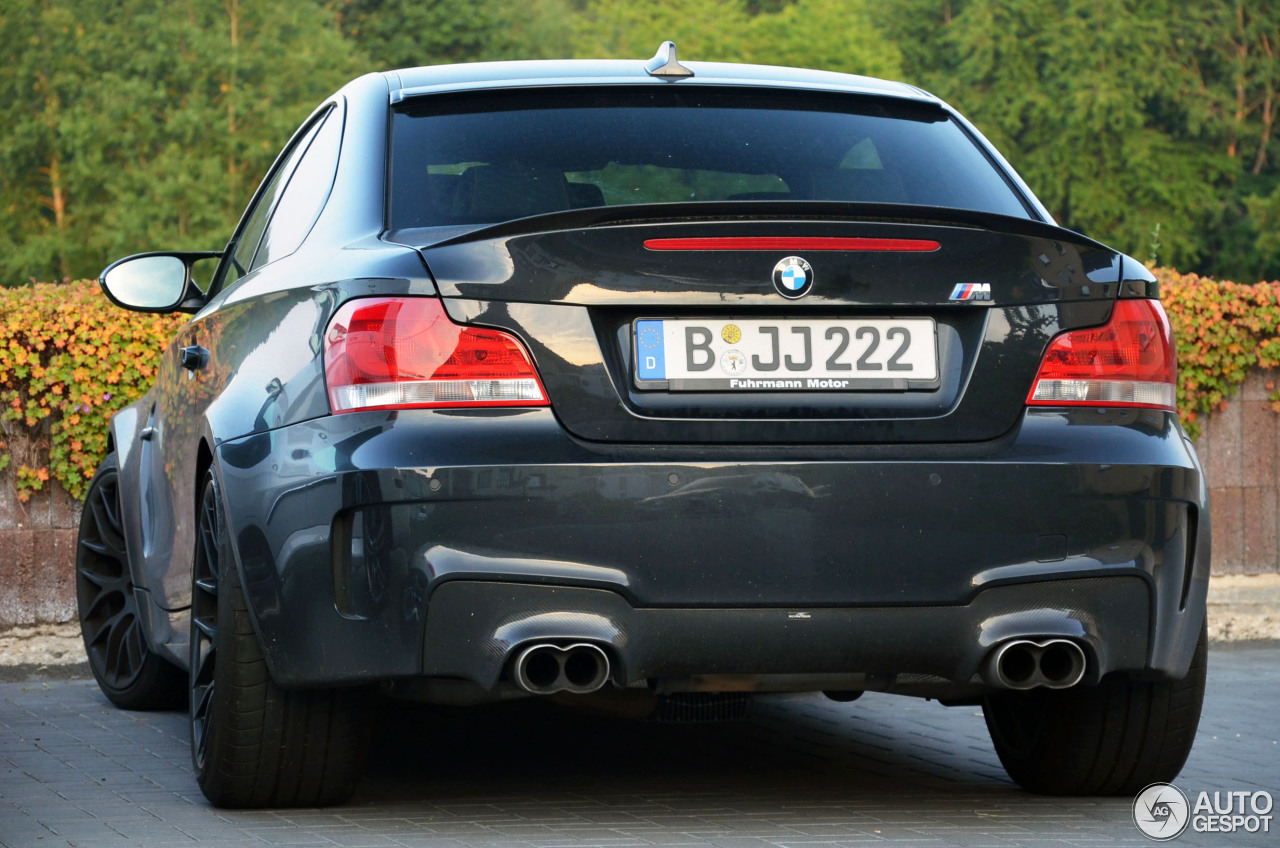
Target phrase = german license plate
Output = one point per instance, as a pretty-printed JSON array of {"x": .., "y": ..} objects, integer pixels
[{"x": 863, "y": 354}]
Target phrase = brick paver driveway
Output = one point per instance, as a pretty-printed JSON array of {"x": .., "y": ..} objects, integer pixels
[{"x": 803, "y": 771}]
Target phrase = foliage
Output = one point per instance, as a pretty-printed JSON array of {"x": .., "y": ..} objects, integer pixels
[
  {"x": 1121, "y": 114},
  {"x": 713, "y": 30},
  {"x": 130, "y": 125},
  {"x": 68, "y": 360},
  {"x": 408, "y": 33},
  {"x": 1223, "y": 330},
  {"x": 127, "y": 125},
  {"x": 835, "y": 35}
]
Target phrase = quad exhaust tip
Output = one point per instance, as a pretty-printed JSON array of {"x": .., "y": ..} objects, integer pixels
[
  {"x": 544, "y": 668},
  {"x": 1026, "y": 664}
]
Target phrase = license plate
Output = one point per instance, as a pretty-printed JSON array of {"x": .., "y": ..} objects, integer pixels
[{"x": 863, "y": 354}]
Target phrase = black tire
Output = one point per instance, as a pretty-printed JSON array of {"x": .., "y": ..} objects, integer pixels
[
  {"x": 1111, "y": 739},
  {"x": 129, "y": 673},
  {"x": 253, "y": 743}
]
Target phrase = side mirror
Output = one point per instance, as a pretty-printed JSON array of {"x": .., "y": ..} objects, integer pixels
[{"x": 155, "y": 282}]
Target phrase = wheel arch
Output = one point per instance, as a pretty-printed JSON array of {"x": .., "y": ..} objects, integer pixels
[
  {"x": 124, "y": 435},
  {"x": 261, "y": 595},
  {"x": 204, "y": 459}
]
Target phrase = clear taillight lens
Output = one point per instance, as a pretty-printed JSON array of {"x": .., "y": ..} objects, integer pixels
[
  {"x": 404, "y": 352},
  {"x": 1129, "y": 361}
]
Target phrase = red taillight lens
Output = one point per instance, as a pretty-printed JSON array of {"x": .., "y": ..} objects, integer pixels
[
  {"x": 402, "y": 352},
  {"x": 1129, "y": 361}
]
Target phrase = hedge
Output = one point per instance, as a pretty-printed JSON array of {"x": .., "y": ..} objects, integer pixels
[
  {"x": 1223, "y": 330},
  {"x": 69, "y": 359}
]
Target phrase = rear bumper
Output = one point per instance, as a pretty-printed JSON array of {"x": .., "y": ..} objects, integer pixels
[
  {"x": 474, "y": 627},
  {"x": 430, "y": 544}
]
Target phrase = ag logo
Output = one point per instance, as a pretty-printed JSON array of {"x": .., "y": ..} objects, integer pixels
[
  {"x": 793, "y": 277},
  {"x": 1161, "y": 811}
]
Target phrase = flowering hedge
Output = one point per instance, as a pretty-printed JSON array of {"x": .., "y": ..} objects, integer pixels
[
  {"x": 1223, "y": 330},
  {"x": 68, "y": 360}
]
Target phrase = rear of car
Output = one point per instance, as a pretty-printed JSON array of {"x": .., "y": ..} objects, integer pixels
[
  {"x": 762, "y": 390},
  {"x": 746, "y": 381},
  {"x": 960, "y": 433}
]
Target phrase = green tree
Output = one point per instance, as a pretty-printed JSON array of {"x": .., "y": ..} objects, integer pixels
[
  {"x": 1232, "y": 49},
  {"x": 409, "y": 33},
  {"x": 129, "y": 125},
  {"x": 831, "y": 35},
  {"x": 834, "y": 35},
  {"x": 47, "y": 55},
  {"x": 133, "y": 126},
  {"x": 1083, "y": 98},
  {"x": 1121, "y": 115},
  {"x": 707, "y": 30}
]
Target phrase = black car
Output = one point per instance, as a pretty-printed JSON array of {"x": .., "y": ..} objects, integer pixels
[{"x": 681, "y": 382}]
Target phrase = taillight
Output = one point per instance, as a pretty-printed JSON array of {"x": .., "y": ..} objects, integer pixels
[
  {"x": 403, "y": 352},
  {"x": 1129, "y": 361}
]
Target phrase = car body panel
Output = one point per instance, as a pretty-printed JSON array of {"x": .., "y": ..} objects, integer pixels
[
  {"x": 251, "y": 383},
  {"x": 418, "y": 82},
  {"x": 929, "y": 651},
  {"x": 906, "y": 531},
  {"x": 434, "y": 497},
  {"x": 571, "y": 296}
]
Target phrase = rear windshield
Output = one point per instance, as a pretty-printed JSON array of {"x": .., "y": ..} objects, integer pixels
[{"x": 488, "y": 157}]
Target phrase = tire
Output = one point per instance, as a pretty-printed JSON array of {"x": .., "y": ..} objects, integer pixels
[
  {"x": 253, "y": 743},
  {"x": 1111, "y": 739},
  {"x": 129, "y": 673}
]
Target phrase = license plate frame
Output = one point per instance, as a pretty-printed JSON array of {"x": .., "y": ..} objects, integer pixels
[{"x": 856, "y": 354}]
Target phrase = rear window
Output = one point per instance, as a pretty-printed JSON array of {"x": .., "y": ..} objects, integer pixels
[{"x": 487, "y": 157}]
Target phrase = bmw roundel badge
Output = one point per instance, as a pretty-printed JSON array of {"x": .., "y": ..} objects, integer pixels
[{"x": 793, "y": 277}]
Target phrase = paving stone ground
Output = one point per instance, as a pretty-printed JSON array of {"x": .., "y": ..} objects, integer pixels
[{"x": 802, "y": 771}]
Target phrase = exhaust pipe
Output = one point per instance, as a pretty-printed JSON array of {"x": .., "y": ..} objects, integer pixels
[
  {"x": 1024, "y": 664},
  {"x": 544, "y": 669},
  {"x": 1062, "y": 664}
]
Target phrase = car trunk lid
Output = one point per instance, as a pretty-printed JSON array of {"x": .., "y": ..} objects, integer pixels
[{"x": 980, "y": 294}]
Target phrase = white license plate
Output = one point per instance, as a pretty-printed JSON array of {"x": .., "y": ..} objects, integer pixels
[{"x": 863, "y": 354}]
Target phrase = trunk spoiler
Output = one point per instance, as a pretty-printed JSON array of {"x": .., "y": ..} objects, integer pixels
[{"x": 739, "y": 211}]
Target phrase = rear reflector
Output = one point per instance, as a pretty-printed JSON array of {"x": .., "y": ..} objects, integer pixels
[
  {"x": 787, "y": 244},
  {"x": 404, "y": 352},
  {"x": 1129, "y": 361}
]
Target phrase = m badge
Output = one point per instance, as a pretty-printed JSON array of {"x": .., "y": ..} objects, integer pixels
[{"x": 971, "y": 292}]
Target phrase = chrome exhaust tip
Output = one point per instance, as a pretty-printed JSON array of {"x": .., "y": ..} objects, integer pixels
[
  {"x": 1062, "y": 664},
  {"x": 545, "y": 669},
  {"x": 1012, "y": 665},
  {"x": 586, "y": 668},
  {"x": 1025, "y": 664},
  {"x": 537, "y": 669}
]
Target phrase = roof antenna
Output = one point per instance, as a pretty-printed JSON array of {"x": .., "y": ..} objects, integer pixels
[{"x": 664, "y": 64}]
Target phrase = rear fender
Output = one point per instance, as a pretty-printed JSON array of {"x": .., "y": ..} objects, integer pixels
[{"x": 125, "y": 435}]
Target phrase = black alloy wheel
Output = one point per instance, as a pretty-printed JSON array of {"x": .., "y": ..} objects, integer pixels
[{"x": 128, "y": 672}]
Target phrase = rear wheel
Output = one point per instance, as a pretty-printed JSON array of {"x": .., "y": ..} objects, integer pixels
[
  {"x": 128, "y": 672},
  {"x": 253, "y": 743},
  {"x": 1111, "y": 739}
]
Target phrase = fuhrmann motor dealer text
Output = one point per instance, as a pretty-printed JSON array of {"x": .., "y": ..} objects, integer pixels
[{"x": 810, "y": 383}]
